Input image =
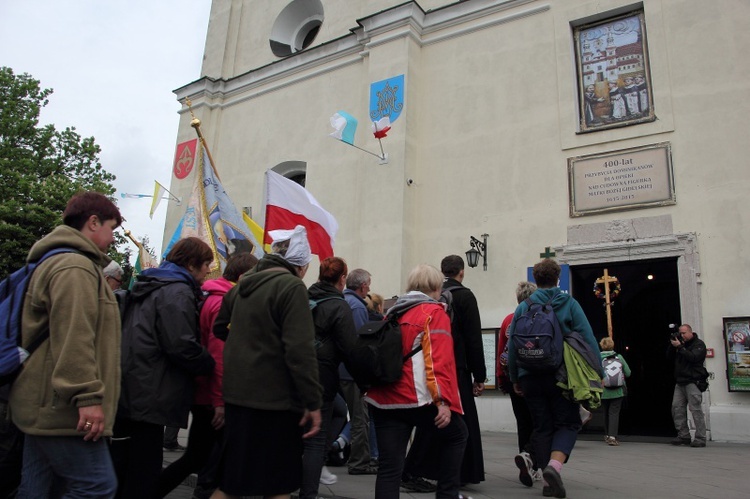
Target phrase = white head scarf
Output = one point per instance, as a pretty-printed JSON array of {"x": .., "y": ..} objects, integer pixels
[{"x": 298, "y": 253}]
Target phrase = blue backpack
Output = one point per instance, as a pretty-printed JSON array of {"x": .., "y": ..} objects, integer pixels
[
  {"x": 12, "y": 291},
  {"x": 537, "y": 338}
]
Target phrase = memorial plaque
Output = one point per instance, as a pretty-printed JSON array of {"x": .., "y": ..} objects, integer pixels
[{"x": 621, "y": 180}]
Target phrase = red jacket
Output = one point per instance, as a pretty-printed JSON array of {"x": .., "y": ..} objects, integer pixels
[
  {"x": 502, "y": 340},
  {"x": 208, "y": 388},
  {"x": 429, "y": 377}
]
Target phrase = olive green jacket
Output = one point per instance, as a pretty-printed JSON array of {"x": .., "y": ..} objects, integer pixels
[
  {"x": 79, "y": 365},
  {"x": 269, "y": 358}
]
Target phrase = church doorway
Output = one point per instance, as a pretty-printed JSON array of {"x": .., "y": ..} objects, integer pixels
[{"x": 641, "y": 316}]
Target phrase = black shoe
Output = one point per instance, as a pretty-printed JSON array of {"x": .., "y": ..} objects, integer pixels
[
  {"x": 417, "y": 484},
  {"x": 367, "y": 470},
  {"x": 697, "y": 443},
  {"x": 555, "y": 486},
  {"x": 202, "y": 493},
  {"x": 174, "y": 448},
  {"x": 338, "y": 456},
  {"x": 680, "y": 441}
]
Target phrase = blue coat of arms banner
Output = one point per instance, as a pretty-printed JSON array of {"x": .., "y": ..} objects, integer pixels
[{"x": 387, "y": 98}]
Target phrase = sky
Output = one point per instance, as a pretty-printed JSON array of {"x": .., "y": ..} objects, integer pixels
[{"x": 113, "y": 66}]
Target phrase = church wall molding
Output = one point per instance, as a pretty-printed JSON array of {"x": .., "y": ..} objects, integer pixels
[{"x": 407, "y": 20}]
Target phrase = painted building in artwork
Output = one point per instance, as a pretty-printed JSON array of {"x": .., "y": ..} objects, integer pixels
[{"x": 499, "y": 135}]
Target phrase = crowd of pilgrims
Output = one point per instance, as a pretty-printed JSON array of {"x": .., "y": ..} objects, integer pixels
[
  {"x": 259, "y": 362},
  {"x": 257, "y": 365}
]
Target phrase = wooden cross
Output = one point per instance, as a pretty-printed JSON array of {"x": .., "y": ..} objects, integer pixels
[
  {"x": 606, "y": 279},
  {"x": 547, "y": 253}
]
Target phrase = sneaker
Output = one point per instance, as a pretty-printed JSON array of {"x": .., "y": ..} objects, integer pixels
[
  {"x": 681, "y": 441},
  {"x": 174, "y": 448},
  {"x": 367, "y": 470},
  {"x": 536, "y": 475},
  {"x": 554, "y": 487},
  {"x": 584, "y": 414},
  {"x": 326, "y": 477},
  {"x": 697, "y": 443},
  {"x": 417, "y": 484},
  {"x": 612, "y": 441},
  {"x": 524, "y": 463}
]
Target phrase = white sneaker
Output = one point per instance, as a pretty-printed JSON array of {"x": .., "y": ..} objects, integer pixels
[
  {"x": 585, "y": 415},
  {"x": 326, "y": 477},
  {"x": 525, "y": 465},
  {"x": 536, "y": 475}
]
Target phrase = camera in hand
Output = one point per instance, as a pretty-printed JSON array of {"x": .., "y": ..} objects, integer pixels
[{"x": 674, "y": 333}]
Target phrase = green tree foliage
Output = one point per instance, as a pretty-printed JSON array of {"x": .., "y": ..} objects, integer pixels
[{"x": 40, "y": 168}]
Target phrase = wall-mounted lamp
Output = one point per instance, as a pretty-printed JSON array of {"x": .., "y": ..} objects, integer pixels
[{"x": 478, "y": 248}]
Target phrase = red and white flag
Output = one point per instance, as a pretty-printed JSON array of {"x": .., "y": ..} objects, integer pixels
[{"x": 288, "y": 204}]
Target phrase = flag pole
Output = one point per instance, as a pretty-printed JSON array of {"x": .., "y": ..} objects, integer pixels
[
  {"x": 172, "y": 196},
  {"x": 135, "y": 241},
  {"x": 382, "y": 153},
  {"x": 363, "y": 150},
  {"x": 196, "y": 123}
]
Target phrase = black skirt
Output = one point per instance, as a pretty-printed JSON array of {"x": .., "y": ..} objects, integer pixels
[{"x": 262, "y": 452}]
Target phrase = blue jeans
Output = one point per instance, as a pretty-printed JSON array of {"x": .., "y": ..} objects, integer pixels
[
  {"x": 85, "y": 467},
  {"x": 556, "y": 419},
  {"x": 394, "y": 426}
]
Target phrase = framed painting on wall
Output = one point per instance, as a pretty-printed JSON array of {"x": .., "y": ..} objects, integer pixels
[{"x": 614, "y": 81}]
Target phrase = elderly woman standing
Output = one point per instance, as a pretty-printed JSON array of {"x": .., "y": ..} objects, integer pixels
[
  {"x": 271, "y": 391},
  {"x": 426, "y": 396}
]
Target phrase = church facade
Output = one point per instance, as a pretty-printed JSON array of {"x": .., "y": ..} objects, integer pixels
[{"x": 608, "y": 133}]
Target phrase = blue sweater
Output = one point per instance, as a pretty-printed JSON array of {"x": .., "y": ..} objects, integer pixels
[{"x": 569, "y": 314}]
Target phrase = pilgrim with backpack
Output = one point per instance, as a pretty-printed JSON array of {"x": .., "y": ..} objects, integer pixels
[{"x": 616, "y": 369}]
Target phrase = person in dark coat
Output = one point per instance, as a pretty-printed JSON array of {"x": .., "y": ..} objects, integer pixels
[
  {"x": 334, "y": 337},
  {"x": 466, "y": 329},
  {"x": 688, "y": 352},
  {"x": 161, "y": 353}
]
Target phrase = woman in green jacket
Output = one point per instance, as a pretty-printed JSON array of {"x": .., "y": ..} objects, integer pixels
[{"x": 615, "y": 373}]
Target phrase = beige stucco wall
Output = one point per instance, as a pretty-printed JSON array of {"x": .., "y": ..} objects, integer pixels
[
  {"x": 488, "y": 126},
  {"x": 239, "y": 30}
]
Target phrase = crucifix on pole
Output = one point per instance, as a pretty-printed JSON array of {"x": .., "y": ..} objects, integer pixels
[{"x": 602, "y": 290}]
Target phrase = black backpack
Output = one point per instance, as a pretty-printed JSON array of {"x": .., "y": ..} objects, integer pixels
[
  {"x": 537, "y": 338},
  {"x": 376, "y": 359}
]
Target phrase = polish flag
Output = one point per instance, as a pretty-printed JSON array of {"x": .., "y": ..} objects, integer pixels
[{"x": 288, "y": 204}]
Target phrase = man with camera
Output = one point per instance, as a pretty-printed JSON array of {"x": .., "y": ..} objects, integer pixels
[{"x": 688, "y": 353}]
